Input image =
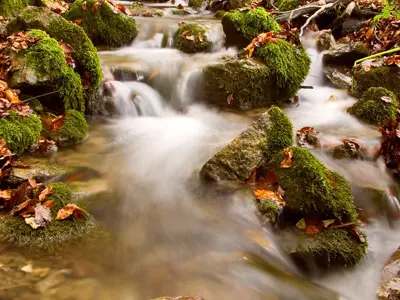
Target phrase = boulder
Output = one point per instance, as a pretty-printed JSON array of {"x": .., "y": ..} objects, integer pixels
[
  {"x": 20, "y": 132},
  {"x": 248, "y": 84},
  {"x": 311, "y": 189},
  {"x": 390, "y": 279},
  {"x": 345, "y": 54},
  {"x": 38, "y": 171},
  {"x": 103, "y": 23},
  {"x": 376, "y": 106},
  {"x": 347, "y": 150},
  {"x": 373, "y": 73},
  {"x": 191, "y": 38},
  {"x": 339, "y": 76},
  {"x": 10, "y": 8},
  {"x": 43, "y": 66},
  {"x": 241, "y": 27},
  {"x": 236, "y": 162}
]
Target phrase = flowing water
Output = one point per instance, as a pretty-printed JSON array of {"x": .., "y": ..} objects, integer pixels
[{"x": 174, "y": 236}]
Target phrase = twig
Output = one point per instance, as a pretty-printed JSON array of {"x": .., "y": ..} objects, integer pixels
[
  {"x": 323, "y": 7},
  {"x": 26, "y": 100}
]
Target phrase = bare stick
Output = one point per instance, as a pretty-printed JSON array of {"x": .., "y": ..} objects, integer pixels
[{"x": 323, "y": 7}]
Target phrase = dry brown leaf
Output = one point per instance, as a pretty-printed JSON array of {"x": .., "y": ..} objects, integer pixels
[
  {"x": 312, "y": 229},
  {"x": 229, "y": 99},
  {"x": 6, "y": 194},
  {"x": 190, "y": 37},
  {"x": 22, "y": 206},
  {"x": 47, "y": 191},
  {"x": 287, "y": 159},
  {"x": 77, "y": 21},
  {"x": 32, "y": 222},
  {"x": 48, "y": 203},
  {"x": 201, "y": 38},
  {"x": 71, "y": 210},
  {"x": 32, "y": 182},
  {"x": 42, "y": 214},
  {"x": 301, "y": 224}
]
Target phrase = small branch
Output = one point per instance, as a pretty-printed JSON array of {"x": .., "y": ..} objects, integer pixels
[
  {"x": 26, "y": 100},
  {"x": 322, "y": 8}
]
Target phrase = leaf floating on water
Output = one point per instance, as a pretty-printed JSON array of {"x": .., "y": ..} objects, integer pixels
[
  {"x": 386, "y": 99},
  {"x": 71, "y": 210},
  {"x": 287, "y": 159}
]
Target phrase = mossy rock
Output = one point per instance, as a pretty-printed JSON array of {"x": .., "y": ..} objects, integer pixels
[
  {"x": 331, "y": 248},
  {"x": 285, "y": 5},
  {"x": 38, "y": 171},
  {"x": 346, "y": 151},
  {"x": 313, "y": 190},
  {"x": 10, "y": 8},
  {"x": 43, "y": 65},
  {"x": 272, "y": 132},
  {"x": 381, "y": 76},
  {"x": 228, "y": 4},
  {"x": 199, "y": 43},
  {"x": 374, "y": 107},
  {"x": 241, "y": 27},
  {"x": 249, "y": 84},
  {"x": 20, "y": 132},
  {"x": 84, "y": 53},
  {"x": 269, "y": 210},
  {"x": 58, "y": 234},
  {"x": 104, "y": 27},
  {"x": 180, "y": 12},
  {"x": 195, "y": 3},
  {"x": 73, "y": 130}
]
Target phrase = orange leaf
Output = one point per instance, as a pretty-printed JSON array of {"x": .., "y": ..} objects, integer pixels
[
  {"x": 32, "y": 182},
  {"x": 78, "y": 21},
  {"x": 6, "y": 194},
  {"x": 48, "y": 203},
  {"x": 369, "y": 33},
  {"x": 270, "y": 195},
  {"x": 57, "y": 123},
  {"x": 71, "y": 210},
  {"x": 22, "y": 206},
  {"x": 312, "y": 229},
  {"x": 47, "y": 191},
  {"x": 95, "y": 7},
  {"x": 287, "y": 160}
]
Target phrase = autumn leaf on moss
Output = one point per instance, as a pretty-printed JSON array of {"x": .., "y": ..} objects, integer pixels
[
  {"x": 312, "y": 229},
  {"x": 287, "y": 159},
  {"x": 260, "y": 40},
  {"x": 43, "y": 194},
  {"x": 71, "y": 210},
  {"x": 270, "y": 195}
]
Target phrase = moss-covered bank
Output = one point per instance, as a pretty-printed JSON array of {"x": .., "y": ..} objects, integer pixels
[
  {"x": 9, "y": 8},
  {"x": 102, "y": 24},
  {"x": 241, "y": 27},
  {"x": 58, "y": 234},
  {"x": 20, "y": 132},
  {"x": 191, "y": 38},
  {"x": 376, "y": 105}
]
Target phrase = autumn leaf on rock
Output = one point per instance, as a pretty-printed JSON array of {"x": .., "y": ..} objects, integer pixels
[
  {"x": 71, "y": 210},
  {"x": 270, "y": 195},
  {"x": 48, "y": 203},
  {"x": 32, "y": 222},
  {"x": 84, "y": 5},
  {"x": 301, "y": 224},
  {"x": 22, "y": 206},
  {"x": 287, "y": 159},
  {"x": 328, "y": 222},
  {"x": 77, "y": 21}
]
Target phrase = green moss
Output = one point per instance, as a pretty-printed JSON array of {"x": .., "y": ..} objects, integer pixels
[
  {"x": 327, "y": 249},
  {"x": 285, "y": 5},
  {"x": 20, "y": 132},
  {"x": 195, "y": 3},
  {"x": 219, "y": 14},
  {"x": 58, "y": 234},
  {"x": 9, "y": 8},
  {"x": 180, "y": 12},
  {"x": 289, "y": 65},
  {"x": 104, "y": 27},
  {"x": 85, "y": 54},
  {"x": 279, "y": 134},
  {"x": 47, "y": 60},
  {"x": 269, "y": 209},
  {"x": 200, "y": 42},
  {"x": 241, "y": 27},
  {"x": 372, "y": 109},
  {"x": 73, "y": 130},
  {"x": 313, "y": 190}
]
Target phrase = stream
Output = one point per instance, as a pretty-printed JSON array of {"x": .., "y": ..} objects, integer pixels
[{"x": 173, "y": 235}]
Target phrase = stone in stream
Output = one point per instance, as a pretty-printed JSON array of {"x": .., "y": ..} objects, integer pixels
[
  {"x": 248, "y": 84},
  {"x": 227, "y": 4},
  {"x": 324, "y": 39},
  {"x": 240, "y": 27},
  {"x": 373, "y": 73},
  {"x": 347, "y": 150},
  {"x": 103, "y": 23},
  {"x": 236, "y": 162},
  {"x": 345, "y": 54},
  {"x": 339, "y": 76},
  {"x": 376, "y": 106},
  {"x": 191, "y": 38},
  {"x": 390, "y": 279}
]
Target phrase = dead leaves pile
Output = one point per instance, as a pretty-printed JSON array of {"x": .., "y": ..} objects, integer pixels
[
  {"x": 9, "y": 100},
  {"x": 6, "y": 159},
  {"x": 384, "y": 36},
  {"x": 68, "y": 51}
]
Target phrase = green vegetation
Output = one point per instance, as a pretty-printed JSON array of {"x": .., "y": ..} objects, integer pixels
[
  {"x": 313, "y": 190},
  {"x": 199, "y": 42},
  {"x": 269, "y": 209},
  {"x": 376, "y": 105},
  {"x": 73, "y": 130},
  {"x": 20, "y": 132},
  {"x": 195, "y": 3},
  {"x": 285, "y": 5},
  {"x": 9, "y": 8},
  {"x": 58, "y": 234},
  {"x": 102, "y": 24}
]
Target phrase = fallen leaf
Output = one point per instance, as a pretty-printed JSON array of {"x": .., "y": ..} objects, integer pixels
[
  {"x": 84, "y": 5},
  {"x": 260, "y": 40},
  {"x": 229, "y": 99},
  {"x": 22, "y": 206},
  {"x": 96, "y": 7},
  {"x": 47, "y": 191},
  {"x": 270, "y": 195},
  {"x": 312, "y": 229},
  {"x": 6, "y": 194},
  {"x": 32, "y": 182},
  {"x": 369, "y": 33},
  {"x": 190, "y": 37},
  {"x": 31, "y": 222},
  {"x": 78, "y": 21},
  {"x": 328, "y": 222},
  {"x": 71, "y": 210},
  {"x": 201, "y": 38},
  {"x": 287, "y": 159},
  {"x": 301, "y": 224},
  {"x": 42, "y": 214},
  {"x": 180, "y": 6},
  {"x": 48, "y": 203},
  {"x": 27, "y": 269},
  {"x": 386, "y": 99}
]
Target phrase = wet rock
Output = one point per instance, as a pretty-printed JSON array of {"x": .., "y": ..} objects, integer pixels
[
  {"x": 324, "y": 38},
  {"x": 20, "y": 132},
  {"x": 390, "y": 290},
  {"x": 56, "y": 279},
  {"x": 352, "y": 25},
  {"x": 269, "y": 210},
  {"x": 81, "y": 289},
  {"x": 328, "y": 249},
  {"x": 345, "y": 54},
  {"x": 104, "y": 25},
  {"x": 372, "y": 73},
  {"x": 236, "y": 162},
  {"x": 241, "y": 27},
  {"x": 347, "y": 150},
  {"x": 84, "y": 53},
  {"x": 339, "y": 76},
  {"x": 390, "y": 279},
  {"x": 376, "y": 106},
  {"x": 307, "y": 138},
  {"x": 180, "y": 12},
  {"x": 228, "y": 5},
  {"x": 124, "y": 74},
  {"x": 192, "y": 38}
]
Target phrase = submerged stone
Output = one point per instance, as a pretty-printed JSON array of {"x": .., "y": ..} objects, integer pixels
[
  {"x": 191, "y": 38},
  {"x": 102, "y": 23},
  {"x": 339, "y": 76},
  {"x": 330, "y": 248},
  {"x": 313, "y": 190},
  {"x": 241, "y": 27},
  {"x": 266, "y": 136},
  {"x": 20, "y": 132},
  {"x": 376, "y": 106}
]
